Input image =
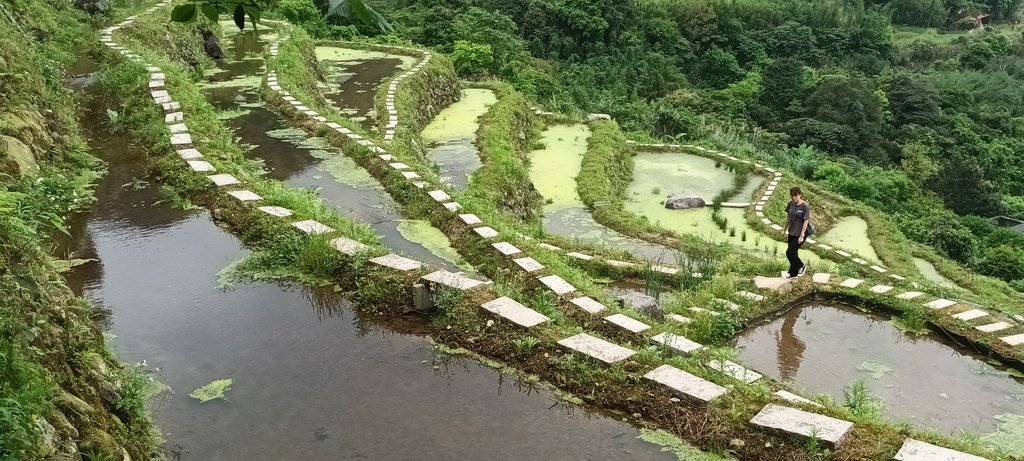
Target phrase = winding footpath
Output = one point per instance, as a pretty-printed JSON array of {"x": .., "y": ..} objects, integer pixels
[{"x": 792, "y": 414}]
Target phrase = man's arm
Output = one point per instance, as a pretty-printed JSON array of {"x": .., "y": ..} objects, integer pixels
[
  {"x": 807, "y": 222},
  {"x": 785, "y": 229}
]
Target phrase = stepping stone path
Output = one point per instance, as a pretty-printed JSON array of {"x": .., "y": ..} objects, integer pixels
[
  {"x": 588, "y": 304},
  {"x": 627, "y": 323},
  {"x": 785, "y": 395},
  {"x": 993, "y": 327},
  {"x": 596, "y": 348},
  {"x": 485, "y": 232},
  {"x": 1015, "y": 340},
  {"x": 676, "y": 343},
  {"x": 914, "y": 450},
  {"x": 347, "y": 246},
  {"x": 556, "y": 284},
  {"x": 881, "y": 289},
  {"x": 970, "y": 315},
  {"x": 506, "y": 248},
  {"x": 684, "y": 384},
  {"x": 821, "y": 277},
  {"x": 939, "y": 304},
  {"x": 453, "y": 280},
  {"x": 514, "y": 312},
  {"x": 310, "y": 226},
  {"x": 400, "y": 263},
  {"x": 280, "y": 212},
  {"x": 851, "y": 283},
  {"x": 791, "y": 421},
  {"x": 754, "y": 296},
  {"x": 245, "y": 195},
  {"x": 734, "y": 370},
  {"x": 910, "y": 295},
  {"x": 528, "y": 264},
  {"x": 224, "y": 179}
]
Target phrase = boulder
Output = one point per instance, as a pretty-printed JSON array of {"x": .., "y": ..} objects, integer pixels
[
  {"x": 683, "y": 202},
  {"x": 640, "y": 302},
  {"x": 17, "y": 156}
]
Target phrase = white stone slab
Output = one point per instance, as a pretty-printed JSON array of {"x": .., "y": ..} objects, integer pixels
[
  {"x": 245, "y": 195},
  {"x": 664, "y": 269},
  {"x": 684, "y": 384},
  {"x": 485, "y": 232},
  {"x": 189, "y": 154},
  {"x": 399, "y": 166},
  {"x": 588, "y": 304},
  {"x": 914, "y": 450},
  {"x": 301, "y": 108},
  {"x": 909, "y": 295},
  {"x": 178, "y": 128},
  {"x": 678, "y": 318},
  {"x": 410, "y": 175},
  {"x": 200, "y": 165},
  {"x": 821, "y": 277},
  {"x": 970, "y": 315},
  {"x": 528, "y": 264},
  {"x": 993, "y": 327},
  {"x": 676, "y": 343},
  {"x": 169, "y": 106},
  {"x": 728, "y": 304},
  {"x": 897, "y": 277},
  {"x": 860, "y": 261},
  {"x": 843, "y": 253},
  {"x": 789, "y": 396},
  {"x": 939, "y": 304},
  {"x": 824, "y": 247},
  {"x": 174, "y": 117},
  {"x": 223, "y": 179},
  {"x": 582, "y": 256},
  {"x": 881, "y": 289},
  {"x": 420, "y": 184},
  {"x": 506, "y": 248},
  {"x": 393, "y": 261},
  {"x": 156, "y": 83},
  {"x": 557, "y": 284},
  {"x": 514, "y": 312},
  {"x": 851, "y": 283},
  {"x": 280, "y": 212},
  {"x": 470, "y": 219},
  {"x": 596, "y": 348},
  {"x": 548, "y": 246},
  {"x": 879, "y": 269},
  {"x": 627, "y": 323},
  {"x": 734, "y": 370},
  {"x": 310, "y": 226},
  {"x": 1015, "y": 340},
  {"x": 617, "y": 263},
  {"x": 347, "y": 246},
  {"x": 452, "y": 206},
  {"x": 829, "y": 430},
  {"x": 451, "y": 279},
  {"x": 333, "y": 126},
  {"x": 701, "y": 310},
  {"x": 776, "y": 227},
  {"x": 181, "y": 139},
  {"x": 754, "y": 296},
  {"x": 439, "y": 195}
]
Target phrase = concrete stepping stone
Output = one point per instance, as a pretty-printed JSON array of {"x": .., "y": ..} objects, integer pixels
[
  {"x": 399, "y": 166},
  {"x": 588, "y": 304},
  {"x": 1015, "y": 340},
  {"x": 178, "y": 128},
  {"x": 821, "y": 277},
  {"x": 909, "y": 295},
  {"x": 617, "y": 263},
  {"x": 734, "y": 370},
  {"x": 156, "y": 83},
  {"x": 754, "y": 296},
  {"x": 549, "y": 247},
  {"x": 939, "y": 304},
  {"x": 528, "y": 264},
  {"x": 701, "y": 310},
  {"x": 410, "y": 175},
  {"x": 824, "y": 246},
  {"x": 439, "y": 195},
  {"x": 915, "y": 450},
  {"x": 312, "y": 227},
  {"x": 728, "y": 304},
  {"x": 830, "y": 431},
  {"x": 993, "y": 327},
  {"x": 514, "y": 312},
  {"x": 791, "y": 397},
  {"x": 223, "y": 179},
  {"x": 770, "y": 283},
  {"x": 860, "y": 261},
  {"x": 676, "y": 343},
  {"x": 174, "y": 117},
  {"x": 879, "y": 269},
  {"x": 970, "y": 315},
  {"x": 347, "y": 246},
  {"x": 301, "y": 108},
  {"x": 453, "y": 280},
  {"x": 159, "y": 94},
  {"x": 485, "y": 232},
  {"x": 678, "y": 318},
  {"x": 200, "y": 165},
  {"x": 171, "y": 106},
  {"x": 393, "y": 261},
  {"x": 596, "y": 348},
  {"x": 627, "y": 323},
  {"x": 506, "y": 248},
  {"x": 881, "y": 289},
  {"x": 556, "y": 284},
  {"x": 420, "y": 184},
  {"x": 452, "y": 206},
  {"x": 189, "y": 154},
  {"x": 245, "y": 195},
  {"x": 684, "y": 384},
  {"x": 280, "y": 212},
  {"x": 851, "y": 283},
  {"x": 181, "y": 139},
  {"x": 470, "y": 219},
  {"x": 843, "y": 253},
  {"x": 776, "y": 227},
  {"x": 898, "y": 277}
]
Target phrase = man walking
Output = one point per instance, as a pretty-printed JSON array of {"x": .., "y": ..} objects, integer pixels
[{"x": 798, "y": 217}]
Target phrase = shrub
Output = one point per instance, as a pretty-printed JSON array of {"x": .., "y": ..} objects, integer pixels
[{"x": 472, "y": 59}]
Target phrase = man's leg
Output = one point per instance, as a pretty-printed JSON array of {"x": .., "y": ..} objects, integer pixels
[{"x": 794, "y": 261}]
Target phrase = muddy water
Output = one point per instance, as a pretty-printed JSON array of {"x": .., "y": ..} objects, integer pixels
[
  {"x": 311, "y": 380},
  {"x": 931, "y": 273},
  {"x": 921, "y": 379},
  {"x": 290, "y": 155},
  {"x": 452, "y": 133},
  {"x": 353, "y": 77},
  {"x": 850, "y": 233},
  {"x": 553, "y": 172}
]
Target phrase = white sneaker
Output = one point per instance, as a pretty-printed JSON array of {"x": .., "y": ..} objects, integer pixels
[{"x": 802, "y": 270}]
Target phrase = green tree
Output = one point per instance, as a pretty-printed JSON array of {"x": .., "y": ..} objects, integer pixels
[
  {"x": 782, "y": 84},
  {"x": 913, "y": 101},
  {"x": 472, "y": 59},
  {"x": 718, "y": 68},
  {"x": 1004, "y": 262}
]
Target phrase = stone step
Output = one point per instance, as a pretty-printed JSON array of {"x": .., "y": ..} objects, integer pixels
[
  {"x": 245, "y": 195},
  {"x": 701, "y": 310},
  {"x": 915, "y": 450},
  {"x": 676, "y": 343},
  {"x": 754, "y": 296},
  {"x": 506, "y": 248},
  {"x": 181, "y": 139},
  {"x": 280, "y": 212},
  {"x": 734, "y": 370},
  {"x": 627, "y": 323},
  {"x": 452, "y": 206},
  {"x": 453, "y": 280},
  {"x": 470, "y": 219},
  {"x": 791, "y": 397},
  {"x": 410, "y": 175},
  {"x": 729, "y": 304},
  {"x": 223, "y": 179},
  {"x": 617, "y": 263},
  {"x": 347, "y": 246},
  {"x": 573, "y": 254},
  {"x": 678, "y": 318},
  {"x": 588, "y": 304},
  {"x": 993, "y": 327},
  {"x": 821, "y": 277},
  {"x": 528, "y": 264},
  {"x": 684, "y": 384},
  {"x": 439, "y": 195},
  {"x": 830, "y": 431},
  {"x": 881, "y": 289},
  {"x": 189, "y": 154},
  {"x": 557, "y": 284},
  {"x": 939, "y": 304},
  {"x": 549, "y": 247},
  {"x": 485, "y": 232},
  {"x": 910, "y": 295},
  {"x": 200, "y": 165},
  {"x": 393, "y": 261},
  {"x": 970, "y": 315},
  {"x": 514, "y": 312},
  {"x": 851, "y": 283},
  {"x": 879, "y": 269},
  {"x": 312, "y": 227},
  {"x": 597, "y": 348},
  {"x": 1015, "y": 340}
]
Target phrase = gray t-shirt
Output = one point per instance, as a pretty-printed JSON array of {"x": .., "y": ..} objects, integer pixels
[{"x": 797, "y": 215}]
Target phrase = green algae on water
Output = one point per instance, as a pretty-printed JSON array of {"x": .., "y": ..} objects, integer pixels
[
  {"x": 564, "y": 146},
  {"x": 214, "y": 390},
  {"x": 421, "y": 232},
  {"x": 931, "y": 273},
  {"x": 334, "y": 53},
  {"x": 850, "y": 233},
  {"x": 877, "y": 369},
  {"x": 682, "y": 450},
  {"x": 1009, "y": 436},
  {"x": 459, "y": 120}
]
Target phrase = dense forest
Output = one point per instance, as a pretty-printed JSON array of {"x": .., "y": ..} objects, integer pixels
[{"x": 913, "y": 107}]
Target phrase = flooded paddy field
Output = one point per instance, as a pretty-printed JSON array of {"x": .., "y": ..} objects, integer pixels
[
  {"x": 353, "y": 77},
  {"x": 451, "y": 136}
]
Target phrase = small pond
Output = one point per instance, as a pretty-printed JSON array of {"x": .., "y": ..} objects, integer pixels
[
  {"x": 451, "y": 136},
  {"x": 923, "y": 379},
  {"x": 353, "y": 77},
  {"x": 850, "y": 233},
  {"x": 931, "y": 273}
]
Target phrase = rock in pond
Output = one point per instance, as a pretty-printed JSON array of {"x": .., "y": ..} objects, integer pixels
[
  {"x": 683, "y": 202},
  {"x": 640, "y": 302}
]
